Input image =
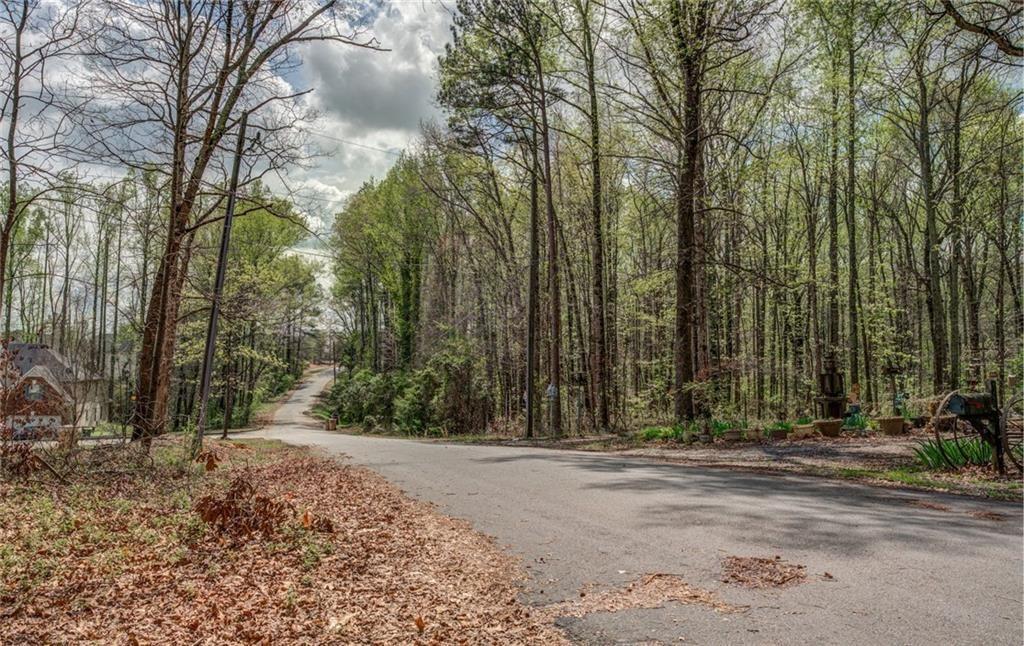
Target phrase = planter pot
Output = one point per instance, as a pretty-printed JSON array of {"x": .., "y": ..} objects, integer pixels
[
  {"x": 732, "y": 436},
  {"x": 802, "y": 431},
  {"x": 829, "y": 427},
  {"x": 777, "y": 434},
  {"x": 890, "y": 425}
]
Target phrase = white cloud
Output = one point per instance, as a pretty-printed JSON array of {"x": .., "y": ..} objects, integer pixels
[
  {"x": 372, "y": 98},
  {"x": 391, "y": 90}
]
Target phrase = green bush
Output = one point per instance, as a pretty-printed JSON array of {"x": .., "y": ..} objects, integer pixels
[
  {"x": 677, "y": 432},
  {"x": 461, "y": 402},
  {"x": 448, "y": 396},
  {"x": 362, "y": 394},
  {"x": 652, "y": 433},
  {"x": 413, "y": 406}
]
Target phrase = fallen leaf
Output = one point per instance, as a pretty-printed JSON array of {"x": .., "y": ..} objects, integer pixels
[{"x": 754, "y": 572}]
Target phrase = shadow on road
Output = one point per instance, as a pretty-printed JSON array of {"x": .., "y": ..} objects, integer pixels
[{"x": 798, "y": 510}]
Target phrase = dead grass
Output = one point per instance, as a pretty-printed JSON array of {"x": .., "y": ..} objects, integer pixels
[{"x": 129, "y": 560}]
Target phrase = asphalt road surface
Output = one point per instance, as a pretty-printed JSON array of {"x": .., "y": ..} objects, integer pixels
[{"x": 906, "y": 567}]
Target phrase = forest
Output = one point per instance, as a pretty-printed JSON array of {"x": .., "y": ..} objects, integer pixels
[
  {"x": 112, "y": 207},
  {"x": 630, "y": 212},
  {"x": 81, "y": 271},
  {"x": 643, "y": 212},
  {"x": 511, "y": 322}
]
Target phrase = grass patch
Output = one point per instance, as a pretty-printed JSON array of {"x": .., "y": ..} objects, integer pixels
[{"x": 962, "y": 483}]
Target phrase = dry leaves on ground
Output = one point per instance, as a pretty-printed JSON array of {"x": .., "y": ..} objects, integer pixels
[
  {"x": 653, "y": 591},
  {"x": 988, "y": 515},
  {"x": 927, "y": 504},
  {"x": 355, "y": 562},
  {"x": 755, "y": 572}
]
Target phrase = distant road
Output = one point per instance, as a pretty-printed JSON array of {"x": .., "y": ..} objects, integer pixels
[{"x": 907, "y": 568}]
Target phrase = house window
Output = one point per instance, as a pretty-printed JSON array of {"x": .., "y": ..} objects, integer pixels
[{"x": 34, "y": 392}]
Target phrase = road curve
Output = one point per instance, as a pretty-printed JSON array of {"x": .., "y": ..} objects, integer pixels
[{"x": 905, "y": 567}]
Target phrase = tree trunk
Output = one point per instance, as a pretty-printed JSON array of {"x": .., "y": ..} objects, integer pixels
[
  {"x": 599, "y": 349},
  {"x": 532, "y": 288},
  {"x": 833, "y": 228},
  {"x": 689, "y": 55},
  {"x": 12, "y": 206},
  {"x": 6, "y": 282},
  {"x": 933, "y": 293},
  {"x": 851, "y": 221},
  {"x": 554, "y": 286}
]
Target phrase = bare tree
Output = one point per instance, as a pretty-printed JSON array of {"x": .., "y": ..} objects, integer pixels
[
  {"x": 172, "y": 80},
  {"x": 996, "y": 21},
  {"x": 32, "y": 35}
]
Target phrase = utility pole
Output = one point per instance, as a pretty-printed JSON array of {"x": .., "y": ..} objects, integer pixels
[{"x": 218, "y": 287}]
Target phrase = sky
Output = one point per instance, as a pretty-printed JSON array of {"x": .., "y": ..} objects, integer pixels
[
  {"x": 373, "y": 99},
  {"x": 370, "y": 103}
]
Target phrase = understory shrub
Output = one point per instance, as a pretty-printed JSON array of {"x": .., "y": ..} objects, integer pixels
[
  {"x": 461, "y": 403},
  {"x": 365, "y": 395},
  {"x": 677, "y": 432},
  {"x": 448, "y": 396},
  {"x": 413, "y": 406}
]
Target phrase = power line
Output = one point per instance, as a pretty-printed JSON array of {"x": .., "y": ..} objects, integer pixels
[
  {"x": 310, "y": 252},
  {"x": 358, "y": 145}
]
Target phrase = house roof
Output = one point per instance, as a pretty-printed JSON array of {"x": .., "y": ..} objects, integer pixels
[
  {"x": 43, "y": 374},
  {"x": 31, "y": 355}
]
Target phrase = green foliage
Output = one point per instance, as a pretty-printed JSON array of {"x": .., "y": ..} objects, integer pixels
[
  {"x": 651, "y": 433},
  {"x": 676, "y": 433},
  {"x": 972, "y": 451},
  {"x": 365, "y": 395},
  {"x": 414, "y": 412},
  {"x": 447, "y": 396},
  {"x": 270, "y": 296},
  {"x": 719, "y": 426},
  {"x": 461, "y": 403},
  {"x": 858, "y": 421}
]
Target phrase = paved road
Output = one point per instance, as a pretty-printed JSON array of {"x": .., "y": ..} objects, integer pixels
[{"x": 903, "y": 574}]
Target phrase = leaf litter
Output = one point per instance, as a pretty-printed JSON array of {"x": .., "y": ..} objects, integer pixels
[
  {"x": 652, "y": 591},
  {"x": 273, "y": 546},
  {"x": 758, "y": 572}
]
